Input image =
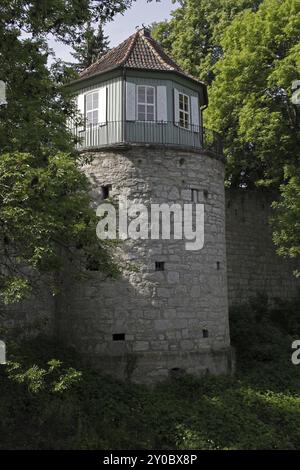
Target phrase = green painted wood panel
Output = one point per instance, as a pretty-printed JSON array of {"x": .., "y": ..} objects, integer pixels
[{"x": 118, "y": 131}]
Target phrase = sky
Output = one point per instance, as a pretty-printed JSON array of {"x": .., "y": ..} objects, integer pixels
[{"x": 124, "y": 25}]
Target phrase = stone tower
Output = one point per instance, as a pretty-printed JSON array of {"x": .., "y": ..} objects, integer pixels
[{"x": 167, "y": 313}]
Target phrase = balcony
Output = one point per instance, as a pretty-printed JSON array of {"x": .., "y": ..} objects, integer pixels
[{"x": 122, "y": 133}]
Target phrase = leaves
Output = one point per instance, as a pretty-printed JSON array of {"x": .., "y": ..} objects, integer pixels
[
  {"x": 61, "y": 404},
  {"x": 45, "y": 214},
  {"x": 92, "y": 45},
  {"x": 193, "y": 35},
  {"x": 249, "y": 99},
  {"x": 286, "y": 221}
]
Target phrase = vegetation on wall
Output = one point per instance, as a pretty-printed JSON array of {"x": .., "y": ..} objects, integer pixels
[
  {"x": 286, "y": 224},
  {"x": 249, "y": 52},
  {"x": 51, "y": 404}
]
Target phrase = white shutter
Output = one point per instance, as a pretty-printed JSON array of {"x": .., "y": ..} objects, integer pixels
[
  {"x": 81, "y": 108},
  {"x": 176, "y": 107},
  {"x": 102, "y": 110},
  {"x": 130, "y": 101},
  {"x": 195, "y": 111},
  {"x": 162, "y": 112}
]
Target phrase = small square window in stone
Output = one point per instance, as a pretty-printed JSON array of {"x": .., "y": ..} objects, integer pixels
[
  {"x": 106, "y": 191},
  {"x": 118, "y": 337},
  {"x": 195, "y": 195},
  {"x": 159, "y": 266},
  {"x": 205, "y": 333},
  {"x": 92, "y": 264}
]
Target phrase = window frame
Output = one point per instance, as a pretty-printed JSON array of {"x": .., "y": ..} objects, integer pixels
[
  {"x": 195, "y": 191},
  {"x": 188, "y": 112},
  {"x": 106, "y": 191},
  {"x": 146, "y": 103},
  {"x": 88, "y": 124},
  {"x": 159, "y": 266}
]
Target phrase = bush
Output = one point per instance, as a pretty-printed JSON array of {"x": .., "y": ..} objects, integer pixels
[{"x": 60, "y": 404}]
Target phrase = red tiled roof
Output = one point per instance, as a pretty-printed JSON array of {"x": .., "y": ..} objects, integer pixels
[{"x": 140, "y": 51}]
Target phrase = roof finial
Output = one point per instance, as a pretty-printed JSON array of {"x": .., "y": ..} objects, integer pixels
[{"x": 143, "y": 30}]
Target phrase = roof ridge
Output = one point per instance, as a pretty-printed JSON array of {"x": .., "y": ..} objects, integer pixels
[
  {"x": 108, "y": 53},
  {"x": 154, "y": 44},
  {"x": 147, "y": 40},
  {"x": 130, "y": 48}
]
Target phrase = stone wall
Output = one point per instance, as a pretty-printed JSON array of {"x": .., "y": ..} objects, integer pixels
[
  {"x": 252, "y": 263},
  {"x": 171, "y": 320},
  {"x": 33, "y": 316},
  {"x": 176, "y": 319}
]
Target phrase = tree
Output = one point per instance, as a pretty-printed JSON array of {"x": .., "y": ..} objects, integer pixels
[
  {"x": 92, "y": 46},
  {"x": 286, "y": 222},
  {"x": 249, "y": 99},
  {"x": 65, "y": 20},
  {"x": 44, "y": 211},
  {"x": 44, "y": 207},
  {"x": 193, "y": 34},
  {"x": 249, "y": 52},
  {"x": 38, "y": 105}
]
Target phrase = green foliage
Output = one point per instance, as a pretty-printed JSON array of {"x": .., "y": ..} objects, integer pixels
[
  {"x": 249, "y": 99},
  {"x": 249, "y": 52},
  {"x": 44, "y": 210},
  {"x": 38, "y": 105},
  {"x": 45, "y": 213},
  {"x": 38, "y": 379},
  {"x": 262, "y": 334},
  {"x": 34, "y": 120},
  {"x": 64, "y": 405},
  {"x": 286, "y": 234},
  {"x": 93, "y": 44},
  {"x": 193, "y": 35},
  {"x": 64, "y": 20}
]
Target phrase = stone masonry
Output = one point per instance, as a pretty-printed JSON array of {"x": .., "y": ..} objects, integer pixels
[
  {"x": 173, "y": 320},
  {"x": 252, "y": 264},
  {"x": 148, "y": 324}
]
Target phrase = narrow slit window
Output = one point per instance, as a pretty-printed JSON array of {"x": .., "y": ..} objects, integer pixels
[
  {"x": 92, "y": 108},
  {"x": 195, "y": 195},
  {"x": 205, "y": 333},
  {"x": 184, "y": 111},
  {"x": 106, "y": 191},
  {"x": 146, "y": 103},
  {"x": 159, "y": 266}
]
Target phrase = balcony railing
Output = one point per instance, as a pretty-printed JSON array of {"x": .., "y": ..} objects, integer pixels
[{"x": 147, "y": 132}]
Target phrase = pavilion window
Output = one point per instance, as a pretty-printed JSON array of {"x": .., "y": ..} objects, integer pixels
[
  {"x": 92, "y": 108},
  {"x": 146, "y": 103},
  {"x": 184, "y": 111}
]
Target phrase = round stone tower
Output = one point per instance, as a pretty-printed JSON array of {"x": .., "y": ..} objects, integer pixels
[{"x": 167, "y": 313}]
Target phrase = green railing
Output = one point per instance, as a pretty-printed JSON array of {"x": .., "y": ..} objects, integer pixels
[{"x": 147, "y": 132}]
